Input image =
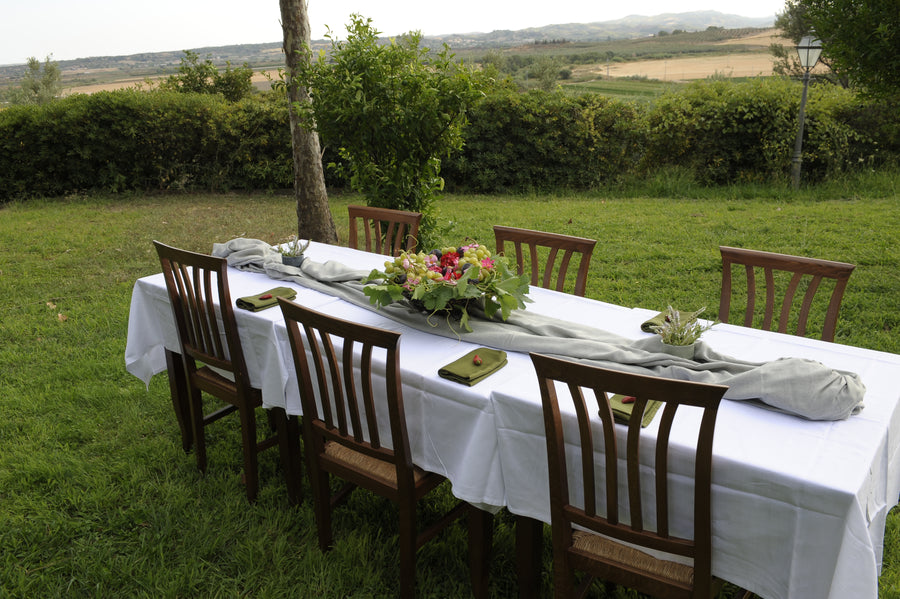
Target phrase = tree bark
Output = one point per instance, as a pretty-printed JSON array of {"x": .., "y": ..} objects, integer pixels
[{"x": 313, "y": 213}]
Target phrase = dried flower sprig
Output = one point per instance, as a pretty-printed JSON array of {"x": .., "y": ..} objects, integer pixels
[
  {"x": 292, "y": 247},
  {"x": 681, "y": 328}
]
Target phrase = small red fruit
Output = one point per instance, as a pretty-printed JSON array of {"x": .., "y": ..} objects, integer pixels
[
  {"x": 266, "y": 296},
  {"x": 476, "y": 360}
]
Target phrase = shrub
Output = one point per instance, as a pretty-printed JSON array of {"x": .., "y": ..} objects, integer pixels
[
  {"x": 846, "y": 132},
  {"x": 728, "y": 132},
  {"x": 543, "y": 140},
  {"x": 195, "y": 77},
  {"x": 145, "y": 140},
  {"x": 393, "y": 110},
  {"x": 725, "y": 131}
]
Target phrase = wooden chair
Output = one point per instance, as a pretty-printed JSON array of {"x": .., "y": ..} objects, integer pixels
[
  {"x": 354, "y": 427},
  {"x": 211, "y": 360},
  {"x": 814, "y": 270},
  {"x": 532, "y": 240},
  {"x": 607, "y": 545},
  {"x": 390, "y": 231}
]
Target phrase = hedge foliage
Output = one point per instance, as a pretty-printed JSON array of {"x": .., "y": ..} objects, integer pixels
[
  {"x": 544, "y": 140},
  {"x": 719, "y": 131},
  {"x": 130, "y": 139},
  {"x": 726, "y": 132}
]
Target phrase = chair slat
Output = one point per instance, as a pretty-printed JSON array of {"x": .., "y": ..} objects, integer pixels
[
  {"x": 808, "y": 298},
  {"x": 351, "y": 406},
  {"x": 587, "y": 443},
  {"x": 368, "y": 396},
  {"x": 770, "y": 298},
  {"x": 633, "y": 464},
  {"x": 662, "y": 468},
  {"x": 611, "y": 452}
]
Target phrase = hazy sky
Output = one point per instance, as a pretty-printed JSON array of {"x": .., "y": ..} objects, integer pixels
[{"x": 70, "y": 29}]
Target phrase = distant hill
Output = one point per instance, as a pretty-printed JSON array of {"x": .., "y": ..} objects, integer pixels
[
  {"x": 104, "y": 68},
  {"x": 628, "y": 27}
]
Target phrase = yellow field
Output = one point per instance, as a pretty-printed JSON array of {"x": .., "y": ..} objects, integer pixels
[{"x": 743, "y": 64}]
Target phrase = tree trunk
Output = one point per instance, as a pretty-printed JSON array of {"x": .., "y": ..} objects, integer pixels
[{"x": 313, "y": 214}]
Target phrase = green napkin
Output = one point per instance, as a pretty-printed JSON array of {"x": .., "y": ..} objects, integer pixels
[
  {"x": 659, "y": 319},
  {"x": 266, "y": 299},
  {"x": 622, "y": 410},
  {"x": 465, "y": 371}
]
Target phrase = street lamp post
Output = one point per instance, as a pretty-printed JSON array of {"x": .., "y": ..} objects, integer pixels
[{"x": 809, "y": 49}]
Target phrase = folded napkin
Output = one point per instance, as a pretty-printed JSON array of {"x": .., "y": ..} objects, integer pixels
[
  {"x": 622, "y": 405},
  {"x": 266, "y": 299},
  {"x": 660, "y": 319},
  {"x": 466, "y": 371}
]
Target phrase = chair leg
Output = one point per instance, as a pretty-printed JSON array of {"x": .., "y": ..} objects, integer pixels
[
  {"x": 196, "y": 410},
  {"x": 251, "y": 468},
  {"x": 529, "y": 550},
  {"x": 180, "y": 397},
  {"x": 563, "y": 578},
  {"x": 481, "y": 530},
  {"x": 407, "y": 541},
  {"x": 321, "y": 492}
]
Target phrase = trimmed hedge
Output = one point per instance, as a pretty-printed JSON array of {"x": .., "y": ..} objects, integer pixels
[
  {"x": 544, "y": 140},
  {"x": 144, "y": 140},
  {"x": 719, "y": 131},
  {"x": 725, "y": 132}
]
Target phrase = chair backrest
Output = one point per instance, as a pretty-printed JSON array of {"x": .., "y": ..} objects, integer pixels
[
  {"x": 554, "y": 242},
  {"x": 596, "y": 429},
  {"x": 803, "y": 271},
  {"x": 201, "y": 303},
  {"x": 386, "y": 231},
  {"x": 349, "y": 365}
]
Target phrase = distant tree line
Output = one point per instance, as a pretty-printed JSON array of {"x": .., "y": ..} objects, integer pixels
[{"x": 42, "y": 83}]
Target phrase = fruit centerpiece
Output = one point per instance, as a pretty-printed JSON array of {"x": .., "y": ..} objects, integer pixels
[{"x": 447, "y": 280}]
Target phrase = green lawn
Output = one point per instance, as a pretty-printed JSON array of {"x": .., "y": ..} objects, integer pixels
[{"x": 98, "y": 500}]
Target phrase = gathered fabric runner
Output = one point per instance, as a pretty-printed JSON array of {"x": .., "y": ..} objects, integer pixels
[{"x": 798, "y": 386}]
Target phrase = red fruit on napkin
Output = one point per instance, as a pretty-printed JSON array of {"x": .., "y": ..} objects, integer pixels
[
  {"x": 476, "y": 360},
  {"x": 266, "y": 296},
  {"x": 628, "y": 399}
]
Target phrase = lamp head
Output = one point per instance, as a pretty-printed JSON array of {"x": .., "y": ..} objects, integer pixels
[{"x": 809, "y": 49}]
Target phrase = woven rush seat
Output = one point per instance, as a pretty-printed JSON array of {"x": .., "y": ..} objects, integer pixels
[
  {"x": 383, "y": 471},
  {"x": 605, "y": 548}
]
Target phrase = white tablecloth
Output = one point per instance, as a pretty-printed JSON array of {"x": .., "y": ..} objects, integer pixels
[{"x": 799, "y": 507}]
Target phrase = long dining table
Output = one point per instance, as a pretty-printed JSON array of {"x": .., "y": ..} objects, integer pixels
[{"x": 799, "y": 507}]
